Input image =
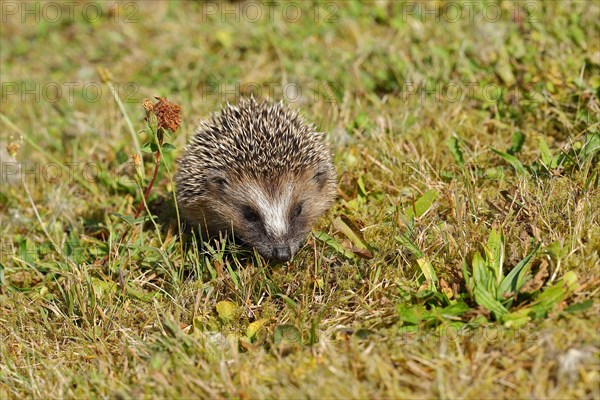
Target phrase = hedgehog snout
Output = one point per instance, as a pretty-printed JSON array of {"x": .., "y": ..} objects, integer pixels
[
  {"x": 279, "y": 249},
  {"x": 282, "y": 253}
]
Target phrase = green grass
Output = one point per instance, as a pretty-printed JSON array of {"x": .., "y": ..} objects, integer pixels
[{"x": 433, "y": 189}]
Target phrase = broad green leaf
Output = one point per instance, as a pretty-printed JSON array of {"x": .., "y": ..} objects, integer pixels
[
  {"x": 139, "y": 294},
  {"x": 361, "y": 186},
  {"x": 545, "y": 302},
  {"x": 412, "y": 315},
  {"x": 422, "y": 204},
  {"x": 480, "y": 273},
  {"x": 255, "y": 326},
  {"x": 486, "y": 300},
  {"x": 578, "y": 36},
  {"x": 290, "y": 303},
  {"x": 428, "y": 272},
  {"x": 455, "y": 310},
  {"x": 579, "y": 307},
  {"x": 146, "y": 147},
  {"x": 351, "y": 231},
  {"x": 514, "y": 281},
  {"x": 334, "y": 244},
  {"x": 227, "y": 310},
  {"x": 102, "y": 287},
  {"x": 167, "y": 147},
  {"x": 411, "y": 246},
  {"x": 554, "y": 295},
  {"x": 433, "y": 298},
  {"x": 556, "y": 250},
  {"x": 517, "y": 318},
  {"x": 495, "y": 249},
  {"x": 287, "y": 334},
  {"x": 518, "y": 140},
  {"x": 504, "y": 70},
  {"x": 545, "y": 153},
  {"x": 129, "y": 219},
  {"x": 512, "y": 160},
  {"x": 149, "y": 147}
]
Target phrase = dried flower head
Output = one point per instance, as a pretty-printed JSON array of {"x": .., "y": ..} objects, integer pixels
[
  {"x": 137, "y": 160},
  {"x": 167, "y": 114},
  {"x": 148, "y": 105},
  {"x": 137, "y": 164},
  {"x": 13, "y": 148}
]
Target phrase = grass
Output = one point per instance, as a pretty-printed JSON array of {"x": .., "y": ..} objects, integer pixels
[{"x": 405, "y": 289}]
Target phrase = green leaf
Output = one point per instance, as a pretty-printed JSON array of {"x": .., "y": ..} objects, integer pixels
[
  {"x": 233, "y": 275},
  {"x": 2, "y": 279},
  {"x": 591, "y": 147},
  {"x": 486, "y": 300},
  {"x": 545, "y": 302},
  {"x": 129, "y": 219},
  {"x": 467, "y": 277},
  {"x": 287, "y": 334},
  {"x": 518, "y": 140},
  {"x": 167, "y": 147},
  {"x": 255, "y": 327},
  {"x": 512, "y": 160},
  {"x": 334, "y": 244},
  {"x": 578, "y": 36},
  {"x": 517, "y": 318},
  {"x": 545, "y": 153},
  {"x": 428, "y": 272},
  {"x": 409, "y": 244},
  {"x": 495, "y": 252},
  {"x": 504, "y": 70},
  {"x": 454, "y": 147},
  {"x": 480, "y": 273},
  {"x": 556, "y": 250},
  {"x": 554, "y": 295},
  {"x": 455, "y": 309},
  {"x": 149, "y": 147},
  {"x": 579, "y": 307},
  {"x": 412, "y": 315},
  {"x": 514, "y": 281},
  {"x": 422, "y": 204},
  {"x": 351, "y": 231},
  {"x": 290, "y": 303},
  {"x": 227, "y": 310},
  {"x": 361, "y": 187},
  {"x": 433, "y": 298}
]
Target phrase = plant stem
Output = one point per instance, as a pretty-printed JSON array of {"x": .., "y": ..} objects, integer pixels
[
  {"x": 157, "y": 158},
  {"x": 176, "y": 211}
]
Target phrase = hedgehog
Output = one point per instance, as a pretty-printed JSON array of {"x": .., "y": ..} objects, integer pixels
[{"x": 259, "y": 172}]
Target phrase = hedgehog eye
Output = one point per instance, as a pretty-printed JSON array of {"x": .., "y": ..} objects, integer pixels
[
  {"x": 220, "y": 181},
  {"x": 297, "y": 210},
  {"x": 216, "y": 178},
  {"x": 249, "y": 214},
  {"x": 320, "y": 177}
]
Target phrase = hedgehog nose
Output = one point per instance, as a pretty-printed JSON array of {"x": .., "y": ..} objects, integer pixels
[{"x": 282, "y": 253}]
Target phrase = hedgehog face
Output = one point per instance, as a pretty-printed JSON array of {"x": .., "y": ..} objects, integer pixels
[
  {"x": 260, "y": 169},
  {"x": 274, "y": 215}
]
